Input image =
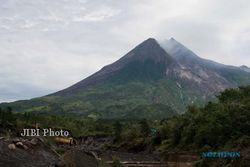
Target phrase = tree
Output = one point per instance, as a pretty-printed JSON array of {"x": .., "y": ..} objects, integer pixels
[
  {"x": 145, "y": 129},
  {"x": 117, "y": 130},
  {"x": 116, "y": 163},
  {"x": 6, "y": 117}
]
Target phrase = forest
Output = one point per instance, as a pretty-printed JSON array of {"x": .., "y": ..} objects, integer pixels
[{"x": 219, "y": 125}]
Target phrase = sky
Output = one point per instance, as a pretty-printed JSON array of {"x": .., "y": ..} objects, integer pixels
[{"x": 48, "y": 45}]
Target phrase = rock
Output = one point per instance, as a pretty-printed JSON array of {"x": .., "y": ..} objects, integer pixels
[
  {"x": 42, "y": 155},
  {"x": 23, "y": 140},
  {"x": 28, "y": 144},
  {"x": 34, "y": 141},
  {"x": 25, "y": 147},
  {"x": 12, "y": 146},
  {"x": 15, "y": 140},
  {"x": 19, "y": 144},
  {"x": 60, "y": 164}
]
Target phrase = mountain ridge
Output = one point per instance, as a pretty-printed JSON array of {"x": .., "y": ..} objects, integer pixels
[
  {"x": 148, "y": 49},
  {"x": 167, "y": 76},
  {"x": 245, "y": 68}
]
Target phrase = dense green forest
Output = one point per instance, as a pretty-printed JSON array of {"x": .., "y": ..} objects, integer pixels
[
  {"x": 154, "y": 99},
  {"x": 224, "y": 124}
]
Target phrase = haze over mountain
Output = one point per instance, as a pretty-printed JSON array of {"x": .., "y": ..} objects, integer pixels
[
  {"x": 209, "y": 74},
  {"x": 245, "y": 68},
  {"x": 151, "y": 81}
]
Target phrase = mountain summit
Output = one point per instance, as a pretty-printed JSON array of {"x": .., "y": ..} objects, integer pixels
[
  {"x": 245, "y": 68},
  {"x": 212, "y": 77},
  {"x": 151, "y": 81},
  {"x": 148, "y": 60}
]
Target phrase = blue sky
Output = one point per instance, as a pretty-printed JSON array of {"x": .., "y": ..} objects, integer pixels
[{"x": 47, "y": 45}]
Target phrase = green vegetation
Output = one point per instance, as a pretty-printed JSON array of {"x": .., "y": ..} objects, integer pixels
[
  {"x": 117, "y": 131},
  {"x": 140, "y": 71},
  {"x": 78, "y": 126},
  {"x": 6, "y": 117},
  {"x": 221, "y": 125},
  {"x": 116, "y": 163},
  {"x": 217, "y": 125},
  {"x": 133, "y": 100},
  {"x": 235, "y": 75},
  {"x": 140, "y": 90}
]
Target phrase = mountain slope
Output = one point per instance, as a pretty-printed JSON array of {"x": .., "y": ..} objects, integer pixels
[
  {"x": 146, "y": 61},
  {"x": 245, "y": 68},
  {"x": 212, "y": 74},
  {"x": 151, "y": 81}
]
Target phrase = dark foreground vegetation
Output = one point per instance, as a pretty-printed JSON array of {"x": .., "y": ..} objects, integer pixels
[{"x": 220, "y": 125}]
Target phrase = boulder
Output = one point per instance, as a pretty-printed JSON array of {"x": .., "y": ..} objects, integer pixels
[
  {"x": 12, "y": 146},
  {"x": 34, "y": 141},
  {"x": 15, "y": 140},
  {"x": 19, "y": 144},
  {"x": 25, "y": 147}
]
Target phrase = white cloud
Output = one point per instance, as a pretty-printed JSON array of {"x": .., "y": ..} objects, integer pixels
[
  {"x": 97, "y": 15},
  {"x": 48, "y": 45}
]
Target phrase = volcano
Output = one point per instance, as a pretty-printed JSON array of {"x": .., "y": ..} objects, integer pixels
[{"x": 151, "y": 81}]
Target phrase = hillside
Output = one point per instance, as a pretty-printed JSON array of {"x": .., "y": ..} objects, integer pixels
[
  {"x": 218, "y": 126},
  {"x": 150, "y": 81}
]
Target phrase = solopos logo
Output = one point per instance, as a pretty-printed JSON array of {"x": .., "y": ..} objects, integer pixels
[{"x": 221, "y": 154}]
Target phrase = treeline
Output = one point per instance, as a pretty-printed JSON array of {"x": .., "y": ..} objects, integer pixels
[
  {"x": 7, "y": 118},
  {"x": 220, "y": 125},
  {"x": 217, "y": 125},
  {"x": 78, "y": 126}
]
